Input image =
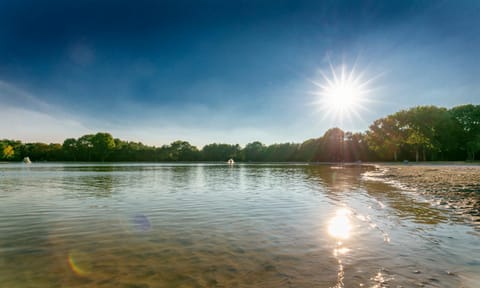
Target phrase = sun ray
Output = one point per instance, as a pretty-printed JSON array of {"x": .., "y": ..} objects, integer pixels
[{"x": 343, "y": 94}]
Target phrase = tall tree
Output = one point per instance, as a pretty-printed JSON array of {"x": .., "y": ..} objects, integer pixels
[
  {"x": 468, "y": 118},
  {"x": 220, "y": 152},
  {"x": 103, "y": 145},
  {"x": 254, "y": 151},
  {"x": 386, "y": 136},
  {"x": 281, "y": 152},
  {"x": 85, "y": 147},
  {"x": 183, "y": 151},
  {"x": 426, "y": 124},
  {"x": 307, "y": 151},
  {"x": 331, "y": 146},
  {"x": 70, "y": 149}
]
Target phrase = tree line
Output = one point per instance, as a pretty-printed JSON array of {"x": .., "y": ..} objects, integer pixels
[{"x": 423, "y": 133}]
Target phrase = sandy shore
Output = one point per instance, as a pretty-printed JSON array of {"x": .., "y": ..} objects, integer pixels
[{"x": 455, "y": 187}]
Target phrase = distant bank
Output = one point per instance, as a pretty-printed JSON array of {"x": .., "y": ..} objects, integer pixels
[{"x": 424, "y": 133}]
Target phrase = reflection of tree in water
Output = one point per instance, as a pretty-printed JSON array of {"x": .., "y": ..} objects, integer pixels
[
  {"x": 102, "y": 185},
  {"x": 98, "y": 185},
  {"x": 181, "y": 177},
  {"x": 337, "y": 179},
  {"x": 100, "y": 168}
]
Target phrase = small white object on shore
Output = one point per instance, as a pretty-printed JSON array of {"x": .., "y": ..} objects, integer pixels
[
  {"x": 230, "y": 161},
  {"x": 26, "y": 160}
]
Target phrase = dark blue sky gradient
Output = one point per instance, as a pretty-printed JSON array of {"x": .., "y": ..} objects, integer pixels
[{"x": 229, "y": 71}]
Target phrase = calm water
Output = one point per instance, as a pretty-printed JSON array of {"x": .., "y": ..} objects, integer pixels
[{"x": 201, "y": 225}]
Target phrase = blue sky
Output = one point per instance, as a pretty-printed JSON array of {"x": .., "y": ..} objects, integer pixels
[{"x": 225, "y": 71}]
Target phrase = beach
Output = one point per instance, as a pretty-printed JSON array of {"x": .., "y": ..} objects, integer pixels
[{"x": 454, "y": 187}]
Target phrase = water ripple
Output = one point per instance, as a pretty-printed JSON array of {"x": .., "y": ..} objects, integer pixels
[{"x": 202, "y": 225}]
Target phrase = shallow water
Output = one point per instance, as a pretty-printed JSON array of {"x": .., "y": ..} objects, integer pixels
[{"x": 205, "y": 225}]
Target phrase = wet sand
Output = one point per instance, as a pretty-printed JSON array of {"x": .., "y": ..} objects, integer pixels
[{"x": 454, "y": 187}]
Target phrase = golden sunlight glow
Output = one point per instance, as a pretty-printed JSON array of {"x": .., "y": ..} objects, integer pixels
[
  {"x": 343, "y": 94},
  {"x": 339, "y": 226}
]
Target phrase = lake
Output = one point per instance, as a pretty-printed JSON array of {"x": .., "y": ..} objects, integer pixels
[{"x": 215, "y": 225}]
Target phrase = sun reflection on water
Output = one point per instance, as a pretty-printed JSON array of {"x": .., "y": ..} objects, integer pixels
[
  {"x": 339, "y": 226},
  {"x": 340, "y": 251},
  {"x": 381, "y": 280}
]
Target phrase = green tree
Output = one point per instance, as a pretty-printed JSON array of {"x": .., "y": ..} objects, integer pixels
[
  {"x": 417, "y": 140},
  {"x": 11, "y": 150},
  {"x": 281, "y": 152},
  {"x": 221, "y": 152},
  {"x": 426, "y": 124},
  {"x": 356, "y": 147},
  {"x": 70, "y": 149},
  {"x": 254, "y": 151},
  {"x": 103, "y": 145},
  {"x": 182, "y": 151},
  {"x": 426, "y": 129},
  {"x": 385, "y": 137},
  {"x": 39, "y": 151},
  {"x": 307, "y": 150},
  {"x": 8, "y": 152},
  {"x": 468, "y": 119},
  {"x": 85, "y": 147},
  {"x": 331, "y": 146}
]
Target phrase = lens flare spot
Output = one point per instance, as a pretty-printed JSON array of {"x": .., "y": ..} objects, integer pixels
[
  {"x": 79, "y": 263},
  {"x": 141, "y": 223},
  {"x": 339, "y": 226}
]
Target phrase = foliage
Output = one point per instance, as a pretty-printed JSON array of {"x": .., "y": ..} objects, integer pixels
[
  {"x": 427, "y": 133},
  {"x": 8, "y": 152},
  {"x": 384, "y": 137},
  {"x": 220, "y": 152},
  {"x": 467, "y": 117},
  {"x": 254, "y": 152},
  {"x": 419, "y": 133}
]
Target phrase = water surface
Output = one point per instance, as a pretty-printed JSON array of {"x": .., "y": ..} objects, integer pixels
[{"x": 214, "y": 225}]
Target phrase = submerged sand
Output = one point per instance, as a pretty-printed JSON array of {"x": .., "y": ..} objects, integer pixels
[{"x": 455, "y": 187}]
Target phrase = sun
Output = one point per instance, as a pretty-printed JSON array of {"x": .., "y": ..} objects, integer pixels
[{"x": 342, "y": 95}]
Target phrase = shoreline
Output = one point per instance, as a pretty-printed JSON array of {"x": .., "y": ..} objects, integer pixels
[{"x": 455, "y": 187}]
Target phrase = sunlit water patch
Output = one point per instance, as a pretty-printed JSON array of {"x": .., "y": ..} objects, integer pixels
[{"x": 208, "y": 225}]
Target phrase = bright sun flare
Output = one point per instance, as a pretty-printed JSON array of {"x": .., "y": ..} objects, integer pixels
[
  {"x": 339, "y": 226},
  {"x": 342, "y": 95}
]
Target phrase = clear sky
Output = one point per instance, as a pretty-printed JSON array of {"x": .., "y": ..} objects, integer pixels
[{"x": 225, "y": 71}]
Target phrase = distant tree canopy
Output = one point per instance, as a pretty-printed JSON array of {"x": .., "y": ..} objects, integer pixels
[
  {"x": 424, "y": 133},
  {"x": 427, "y": 133},
  {"x": 220, "y": 152}
]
